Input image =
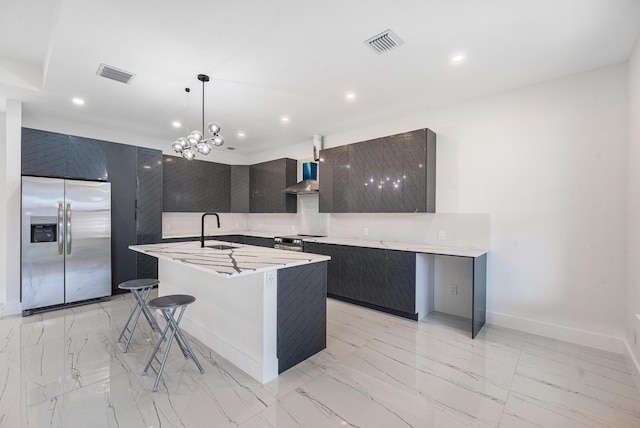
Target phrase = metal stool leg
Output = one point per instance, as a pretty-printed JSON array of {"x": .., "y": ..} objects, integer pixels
[
  {"x": 136, "y": 309},
  {"x": 146, "y": 311},
  {"x": 174, "y": 325}
]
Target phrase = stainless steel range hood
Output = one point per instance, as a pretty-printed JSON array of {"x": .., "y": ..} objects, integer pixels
[{"x": 309, "y": 183}]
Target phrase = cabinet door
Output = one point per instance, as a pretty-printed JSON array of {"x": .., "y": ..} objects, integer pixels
[
  {"x": 259, "y": 241},
  {"x": 123, "y": 163},
  {"x": 392, "y": 173},
  {"x": 220, "y": 187},
  {"x": 350, "y": 260},
  {"x": 401, "y": 281},
  {"x": 257, "y": 178},
  {"x": 325, "y": 178},
  {"x": 44, "y": 154},
  {"x": 148, "y": 208},
  {"x": 179, "y": 177},
  {"x": 374, "y": 174},
  {"x": 358, "y": 183},
  {"x": 374, "y": 287},
  {"x": 240, "y": 189},
  {"x": 414, "y": 174},
  {"x": 334, "y": 285},
  {"x": 267, "y": 180},
  {"x": 87, "y": 159}
]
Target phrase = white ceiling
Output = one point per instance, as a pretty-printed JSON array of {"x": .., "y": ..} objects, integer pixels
[{"x": 290, "y": 57}]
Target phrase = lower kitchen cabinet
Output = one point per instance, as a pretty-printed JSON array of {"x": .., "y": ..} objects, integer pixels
[
  {"x": 383, "y": 279},
  {"x": 401, "y": 280},
  {"x": 258, "y": 241},
  {"x": 374, "y": 282}
]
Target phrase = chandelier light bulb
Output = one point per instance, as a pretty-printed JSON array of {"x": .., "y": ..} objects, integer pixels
[
  {"x": 204, "y": 148},
  {"x": 213, "y": 127},
  {"x": 217, "y": 140},
  {"x": 177, "y": 147},
  {"x": 188, "y": 154}
]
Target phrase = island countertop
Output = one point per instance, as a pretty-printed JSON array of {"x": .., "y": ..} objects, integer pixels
[{"x": 237, "y": 261}]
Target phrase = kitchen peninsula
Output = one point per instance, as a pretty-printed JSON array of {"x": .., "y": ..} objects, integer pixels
[{"x": 262, "y": 309}]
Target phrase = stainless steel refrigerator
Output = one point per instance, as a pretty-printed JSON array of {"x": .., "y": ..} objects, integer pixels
[{"x": 66, "y": 241}]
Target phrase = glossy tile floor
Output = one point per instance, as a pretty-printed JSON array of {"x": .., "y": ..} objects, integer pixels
[{"x": 65, "y": 369}]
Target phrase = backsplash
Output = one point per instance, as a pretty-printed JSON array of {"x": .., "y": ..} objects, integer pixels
[{"x": 461, "y": 230}]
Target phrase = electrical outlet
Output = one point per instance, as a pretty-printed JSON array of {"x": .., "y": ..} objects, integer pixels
[
  {"x": 442, "y": 235},
  {"x": 453, "y": 289},
  {"x": 365, "y": 231}
]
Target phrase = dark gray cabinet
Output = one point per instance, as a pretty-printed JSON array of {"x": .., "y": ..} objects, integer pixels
[
  {"x": 258, "y": 241},
  {"x": 196, "y": 186},
  {"x": 379, "y": 278},
  {"x": 148, "y": 208},
  {"x": 135, "y": 175},
  {"x": 240, "y": 188},
  {"x": 401, "y": 281},
  {"x": 267, "y": 180},
  {"x": 49, "y": 154},
  {"x": 389, "y": 174}
]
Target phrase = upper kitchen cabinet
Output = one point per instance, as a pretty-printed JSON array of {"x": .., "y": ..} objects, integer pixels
[
  {"x": 240, "y": 188},
  {"x": 267, "y": 180},
  {"x": 195, "y": 186},
  {"x": 49, "y": 154},
  {"x": 390, "y": 174}
]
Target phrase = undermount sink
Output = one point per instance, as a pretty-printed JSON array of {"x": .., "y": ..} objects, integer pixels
[{"x": 221, "y": 247}]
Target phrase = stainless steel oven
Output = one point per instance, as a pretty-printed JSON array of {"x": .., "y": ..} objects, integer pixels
[{"x": 291, "y": 242}]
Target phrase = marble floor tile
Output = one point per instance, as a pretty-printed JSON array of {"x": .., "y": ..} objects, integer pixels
[{"x": 66, "y": 369}]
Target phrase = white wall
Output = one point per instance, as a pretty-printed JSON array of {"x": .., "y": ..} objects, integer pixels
[
  {"x": 633, "y": 208},
  {"x": 10, "y": 203},
  {"x": 3, "y": 198},
  {"x": 545, "y": 166}
]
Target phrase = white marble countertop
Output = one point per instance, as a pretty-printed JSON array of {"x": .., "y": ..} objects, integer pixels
[
  {"x": 241, "y": 260},
  {"x": 402, "y": 246}
]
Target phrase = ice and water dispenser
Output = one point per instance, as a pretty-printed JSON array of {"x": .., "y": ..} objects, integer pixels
[{"x": 44, "y": 229}]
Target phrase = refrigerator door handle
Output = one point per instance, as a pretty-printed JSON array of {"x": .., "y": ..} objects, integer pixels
[
  {"x": 60, "y": 229},
  {"x": 68, "y": 229}
]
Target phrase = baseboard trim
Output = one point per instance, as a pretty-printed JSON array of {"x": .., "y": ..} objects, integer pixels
[
  {"x": 633, "y": 363},
  {"x": 560, "y": 332},
  {"x": 12, "y": 308}
]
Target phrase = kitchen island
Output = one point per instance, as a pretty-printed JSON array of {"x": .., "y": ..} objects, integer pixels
[{"x": 262, "y": 309}]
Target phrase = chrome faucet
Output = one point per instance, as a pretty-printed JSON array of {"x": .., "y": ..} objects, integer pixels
[{"x": 202, "y": 227}]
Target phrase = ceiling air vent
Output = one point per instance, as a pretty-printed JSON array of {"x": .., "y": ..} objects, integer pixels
[
  {"x": 384, "y": 42},
  {"x": 115, "y": 74}
]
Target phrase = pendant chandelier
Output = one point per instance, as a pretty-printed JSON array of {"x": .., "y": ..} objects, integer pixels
[{"x": 195, "y": 142}]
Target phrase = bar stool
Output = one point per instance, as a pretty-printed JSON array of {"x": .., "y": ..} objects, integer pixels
[
  {"x": 169, "y": 305},
  {"x": 140, "y": 288}
]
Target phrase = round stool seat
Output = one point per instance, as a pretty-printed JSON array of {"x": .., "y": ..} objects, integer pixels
[
  {"x": 171, "y": 301},
  {"x": 137, "y": 284}
]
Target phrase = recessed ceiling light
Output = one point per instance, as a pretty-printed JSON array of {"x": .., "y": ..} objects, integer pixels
[
  {"x": 176, "y": 124},
  {"x": 241, "y": 134},
  {"x": 350, "y": 96},
  {"x": 457, "y": 58},
  {"x": 78, "y": 101},
  {"x": 285, "y": 119}
]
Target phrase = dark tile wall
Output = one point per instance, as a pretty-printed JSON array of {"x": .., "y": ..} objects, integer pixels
[{"x": 302, "y": 313}]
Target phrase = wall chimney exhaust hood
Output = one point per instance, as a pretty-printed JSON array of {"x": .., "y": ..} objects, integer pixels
[{"x": 309, "y": 183}]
